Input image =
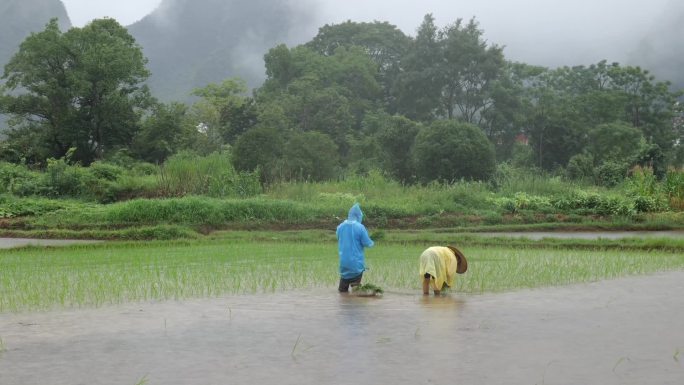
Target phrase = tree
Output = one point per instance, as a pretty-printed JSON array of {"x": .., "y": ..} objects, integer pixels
[
  {"x": 310, "y": 156},
  {"x": 164, "y": 133},
  {"x": 260, "y": 149},
  {"x": 614, "y": 141},
  {"x": 225, "y": 110},
  {"x": 82, "y": 88},
  {"x": 314, "y": 92},
  {"x": 450, "y": 73},
  {"x": 419, "y": 85},
  {"x": 383, "y": 42},
  {"x": 471, "y": 71},
  {"x": 448, "y": 150},
  {"x": 394, "y": 137}
]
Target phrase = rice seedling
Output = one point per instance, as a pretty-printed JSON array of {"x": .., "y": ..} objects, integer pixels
[
  {"x": 367, "y": 290},
  {"x": 294, "y": 347},
  {"x": 95, "y": 275}
]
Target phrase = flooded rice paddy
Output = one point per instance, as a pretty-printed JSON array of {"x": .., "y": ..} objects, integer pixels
[
  {"x": 538, "y": 235},
  {"x": 8, "y": 243},
  {"x": 626, "y": 331}
]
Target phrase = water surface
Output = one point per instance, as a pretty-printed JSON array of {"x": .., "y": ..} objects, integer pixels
[
  {"x": 537, "y": 235},
  {"x": 626, "y": 331},
  {"x": 8, "y": 243}
]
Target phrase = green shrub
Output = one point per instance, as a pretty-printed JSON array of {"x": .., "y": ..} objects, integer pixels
[
  {"x": 19, "y": 180},
  {"x": 610, "y": 173},
  {"x": 206, "y": 211},
  {"x": 448, "y": 151},
  {"x": 212, "y": 175},
  {"x": 64, "y": 180},
  {"x": 581, "y": 166},
  {"x": 144, "y": 169},
  {"x": 106, "y": 171}
]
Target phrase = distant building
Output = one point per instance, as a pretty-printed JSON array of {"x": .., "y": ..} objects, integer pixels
[{"x": 522, "y": 138}]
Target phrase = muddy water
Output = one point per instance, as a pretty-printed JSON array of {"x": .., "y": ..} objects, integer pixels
[
  {"x": 8, "y": 243},
  {"x": 586, "y": 234},
  {"x": 628, "y": 331}
]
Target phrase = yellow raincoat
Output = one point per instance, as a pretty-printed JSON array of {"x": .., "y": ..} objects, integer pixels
[{"x": 440, "y": 262}]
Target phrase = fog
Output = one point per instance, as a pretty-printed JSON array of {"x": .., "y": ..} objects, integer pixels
[
  {"x": 545, "y": 32},
  {"x": 542, "y": 32}
]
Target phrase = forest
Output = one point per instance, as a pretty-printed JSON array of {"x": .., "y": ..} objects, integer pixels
[{"x": 358, "y": 102}]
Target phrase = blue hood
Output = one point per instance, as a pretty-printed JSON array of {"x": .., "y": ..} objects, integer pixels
[{"x": 355, "y": 213}]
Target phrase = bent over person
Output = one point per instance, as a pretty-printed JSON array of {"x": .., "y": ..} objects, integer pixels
[
  {"x": 438, "y": 267},
  {"x": 352, "y": 237}
]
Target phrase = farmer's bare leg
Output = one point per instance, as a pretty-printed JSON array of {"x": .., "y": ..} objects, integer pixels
[{"x": 426, "y": 286}]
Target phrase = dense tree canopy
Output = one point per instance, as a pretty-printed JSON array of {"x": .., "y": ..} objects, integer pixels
[
  {"x": 79, "y": 89},
  {"x": 449, "y": 150},
  {"x": 441, "y": 105}
]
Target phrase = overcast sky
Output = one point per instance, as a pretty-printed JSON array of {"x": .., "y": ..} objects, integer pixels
[
  {"x": 124, "y": 11},
  {"x": 545, "y": 32}
]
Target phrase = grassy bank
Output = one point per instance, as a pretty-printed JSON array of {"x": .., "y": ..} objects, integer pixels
[
  {"x": 198, "y": 196},
  {"x": 94, "y": 275},
  {"x": 40, "y": 217}
]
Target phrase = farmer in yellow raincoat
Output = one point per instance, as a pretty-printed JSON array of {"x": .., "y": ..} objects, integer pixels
[{"x": 438, "y": 267}]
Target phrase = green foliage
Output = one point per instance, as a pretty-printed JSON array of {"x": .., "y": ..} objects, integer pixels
[
  {"x": 212, "y": 175},
  {"x": 313, "y": 92},
  {"x": 64, "y": 180},
  {"x": 106, "y": 171},
  {"x": 611, "y": 173},
  {"x": 163, "y": 133},
  {"x": 79, "y": 89},
  {"x": 522, "y": 156},
  {"x": 111, "y": 273},
  {"x": 18, "y": 179},
  {"x": 259, "y": 150},
  {"x": 581, "y": 167},
  {"x": 395, "y": 137},
  {"x": 206, "y": 211},
  {"x": 310, "y": 156},
  {"x": 674, "y": 188},
  {"x": 449, "y": 150},
  {"x": 593, "y": 203},
  {"x": 614, "y": 142},
  {"x": 224, "y": 112}
]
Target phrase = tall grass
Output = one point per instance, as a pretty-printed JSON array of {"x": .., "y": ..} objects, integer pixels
[
  {"x": 212, "y": 175},
  {"x": 41, "y": 278},
  {"x": 381, "y": 196}
]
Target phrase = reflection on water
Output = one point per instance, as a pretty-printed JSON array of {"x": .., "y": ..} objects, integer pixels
[
  {"x": 537, "y": 235},
  {"x": 616, "y": 332},
  {"x": 8, "y": 243}
]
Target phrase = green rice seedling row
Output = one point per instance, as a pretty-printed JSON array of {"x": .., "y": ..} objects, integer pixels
[{"x": 95, "y": 275}]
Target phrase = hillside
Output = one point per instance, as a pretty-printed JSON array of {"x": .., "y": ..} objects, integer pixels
[
  {"x": 18, "y": 18},
  {"x": 190, "y": 43}
]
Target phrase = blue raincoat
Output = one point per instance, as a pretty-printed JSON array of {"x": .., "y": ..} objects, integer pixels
[{"x": 352, "y": 237}]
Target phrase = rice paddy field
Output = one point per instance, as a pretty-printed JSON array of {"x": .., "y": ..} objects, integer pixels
[{"x": 41, "y": 278}]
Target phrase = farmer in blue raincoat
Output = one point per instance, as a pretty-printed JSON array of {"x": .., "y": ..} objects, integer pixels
[{"x": 352, "y": 238}]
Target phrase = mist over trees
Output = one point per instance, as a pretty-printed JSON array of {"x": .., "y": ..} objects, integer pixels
[
  {"x": 442, "y": 105},
  {"x": 192, "y": 43},
  {"x": 18, "y": 18}
]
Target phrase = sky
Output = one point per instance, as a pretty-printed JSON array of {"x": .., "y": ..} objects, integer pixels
[
  {"x": 126, "y": 12},
  {"x": 543, "y": 32}
]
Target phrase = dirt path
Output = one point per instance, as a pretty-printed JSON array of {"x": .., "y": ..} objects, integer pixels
[{"x": 627, "y": 331}]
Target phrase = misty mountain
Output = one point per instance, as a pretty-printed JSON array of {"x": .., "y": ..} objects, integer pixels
[
  {"x": 190, "y": 43},
  {"x": 662, "y": 50},
  {"x": 18, "y": 18}
]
